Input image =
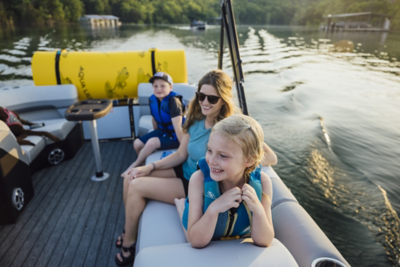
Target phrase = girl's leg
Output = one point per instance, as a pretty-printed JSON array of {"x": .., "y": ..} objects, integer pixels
[
  {"x": 180, "y": 207},
  {"x": 140, "y": 189}
]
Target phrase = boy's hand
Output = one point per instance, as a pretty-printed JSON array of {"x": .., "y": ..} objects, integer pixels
[
  {"x": 250, "y": 196},
  {"x": 230, "y": 199}
]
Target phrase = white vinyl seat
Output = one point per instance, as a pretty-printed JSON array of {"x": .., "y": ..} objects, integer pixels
[
  {"x": 41, "y": 104},
  {"x": 59, "y": 127}
]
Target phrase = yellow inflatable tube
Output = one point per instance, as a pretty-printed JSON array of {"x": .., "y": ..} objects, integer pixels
[{"x": 112, "y": 75}]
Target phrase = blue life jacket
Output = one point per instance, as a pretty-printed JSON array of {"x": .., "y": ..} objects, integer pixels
[
  {"x": 234, "y": 225},
  {"x": 161, "y": 113}
]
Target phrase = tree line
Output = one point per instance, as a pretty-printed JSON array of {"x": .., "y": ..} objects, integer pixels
[{"x": 278, "y": 12}]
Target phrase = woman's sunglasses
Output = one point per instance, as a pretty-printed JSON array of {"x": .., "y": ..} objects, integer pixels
[{"x": 211, "y": 98}]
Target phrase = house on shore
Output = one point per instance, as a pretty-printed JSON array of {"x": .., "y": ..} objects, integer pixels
[
  {"x": 363, "y": 21},
  {"x": 99, "y": 20}
]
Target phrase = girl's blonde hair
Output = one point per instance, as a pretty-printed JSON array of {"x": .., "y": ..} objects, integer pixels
[
  {"x": 223, "y": 84},
  {"x": 245, "y": 132}
]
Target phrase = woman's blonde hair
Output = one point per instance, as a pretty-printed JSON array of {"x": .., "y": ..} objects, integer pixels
[
  {"x": 245, "y": 132},
  {"x": 223, "y": 84}
]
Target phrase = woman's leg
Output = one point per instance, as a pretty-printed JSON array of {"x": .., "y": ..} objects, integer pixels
[
  {"x": 167, "y": 173},
  {"x": 140, "y": 189}
]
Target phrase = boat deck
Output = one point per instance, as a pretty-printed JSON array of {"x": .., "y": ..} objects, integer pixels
[{"x": 71, "y": 221}]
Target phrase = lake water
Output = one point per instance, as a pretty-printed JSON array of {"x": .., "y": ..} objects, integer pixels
[{"x": 333, "y": 118}]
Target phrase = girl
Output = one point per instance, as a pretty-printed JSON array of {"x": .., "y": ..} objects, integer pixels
[
  {"x": 229, "y": 196},
  {"x": 169, "y": 177}
]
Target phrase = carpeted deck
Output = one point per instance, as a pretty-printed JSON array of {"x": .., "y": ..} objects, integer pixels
[{"x": 71, "y": 221}]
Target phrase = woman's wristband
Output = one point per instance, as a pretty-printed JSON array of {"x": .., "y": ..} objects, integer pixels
[{"x": 154, "y": 166}]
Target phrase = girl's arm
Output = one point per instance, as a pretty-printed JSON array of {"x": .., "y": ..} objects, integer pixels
[
  {"x": 262, "y": 230},
  {"x": 153, "y": 121},
  {"x": 177, "y": 123},
  {"x": 201, "y": 226},
  {"x": 269, "y": 156},
  {"x": 170, "y": 161}
]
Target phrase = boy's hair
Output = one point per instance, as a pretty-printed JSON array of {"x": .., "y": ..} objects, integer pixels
[
  {"x": 245, "y": 132},
  {"x": 223, "y": 84}
]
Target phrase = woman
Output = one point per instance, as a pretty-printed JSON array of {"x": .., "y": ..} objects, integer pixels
[{"x": 169, "y": 177}]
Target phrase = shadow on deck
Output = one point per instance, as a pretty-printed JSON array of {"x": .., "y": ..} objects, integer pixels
[{"x": 71, "y": 221}]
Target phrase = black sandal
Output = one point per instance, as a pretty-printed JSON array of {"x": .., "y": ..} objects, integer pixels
[
  {"x": 126, "y": 260},
  {"x": 120, "y": 240}
]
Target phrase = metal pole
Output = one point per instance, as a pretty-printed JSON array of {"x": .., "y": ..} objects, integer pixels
[
  {"x": 221, "y": 45},
  {"x": 231, "y": 32},
  {"x": 100, "y": 175}
]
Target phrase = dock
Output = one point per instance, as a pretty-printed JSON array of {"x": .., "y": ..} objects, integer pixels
[{"x": 356, "y": 22}]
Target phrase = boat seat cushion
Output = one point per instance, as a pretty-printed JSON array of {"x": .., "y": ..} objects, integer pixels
[
  {"x": 294, "y": 227},
  {"x": 157, "y": 155},
  {"x": 59, "y": 127},
  {"x": 33, "y": 151},
  {"x": 159, "y": 225},
  {"x": 38, "y": 97},
  {"x": 281, "y": 193},
  {"x": 145, "y": 125},
  {"x": 241, "y": 252}
]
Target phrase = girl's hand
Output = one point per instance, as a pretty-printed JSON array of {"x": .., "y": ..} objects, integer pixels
[
  {"x": 230, "y": 199},
  {"x": 249, "y": 195},
  {"x": 139, "y": 172}
]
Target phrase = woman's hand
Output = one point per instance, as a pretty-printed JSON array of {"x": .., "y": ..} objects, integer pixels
[
  {"x": 230, "y": 199},
  {"x": 249, "y": 195},
  {"x": 139, "y": 172}
]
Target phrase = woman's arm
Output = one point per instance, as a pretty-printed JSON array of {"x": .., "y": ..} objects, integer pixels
[
  {"x": 262, "y": 231},
  {"x": 200, "y": 226},
  {"x": 170, "y": 161},
  {"x": 177, "y": 123},
  {"x": 269, "y": 156}
]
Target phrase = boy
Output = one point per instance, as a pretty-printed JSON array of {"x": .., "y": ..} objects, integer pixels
[{"x": 167, "y": 110}]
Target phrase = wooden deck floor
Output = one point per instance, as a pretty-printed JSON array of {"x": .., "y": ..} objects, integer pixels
[{"x": 71, "y": 221}]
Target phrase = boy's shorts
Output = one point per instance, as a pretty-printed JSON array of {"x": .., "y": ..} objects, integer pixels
[{"x": 166, "y": 141}]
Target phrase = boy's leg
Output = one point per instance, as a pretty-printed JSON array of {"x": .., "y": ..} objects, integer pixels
[
  {"x": 150, "y": 146},
  {"x": 138, "y": 145}
]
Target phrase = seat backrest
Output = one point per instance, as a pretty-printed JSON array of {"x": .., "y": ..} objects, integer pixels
[
  {"x": 145, "y": 90},
  {"x": 39, "y": 102},
  {"x": 34, "y": 97}
]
